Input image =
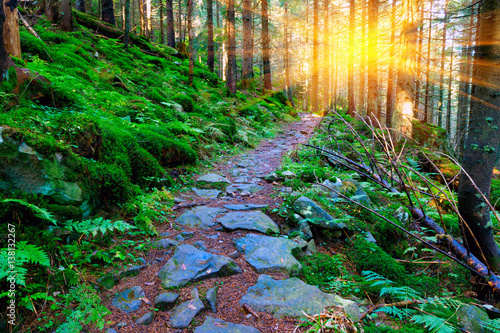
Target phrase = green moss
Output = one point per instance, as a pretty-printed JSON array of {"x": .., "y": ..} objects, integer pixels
[
  {"x": 34, "y": 46},
  {"x": 9, "y": 82},
  {"x": 427, "y": 135},
  {"x": 406, "y": 328},
  {"x": 185, "y": 101},
  {"x": 319, "y": 269}
]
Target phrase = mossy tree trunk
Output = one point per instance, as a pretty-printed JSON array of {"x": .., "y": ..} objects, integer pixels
[
  {"x": 210, "y": 36},
  {"x": 108, "y": 12},
  {"x": 247, "y": 41},
  {"x": 266, "y": 47},
  {"x": 11, "y": 29},
  {"x": 5, "y": 61},
  {"x": 231, "y": 48},
  {"x": 483, "y": 140}
]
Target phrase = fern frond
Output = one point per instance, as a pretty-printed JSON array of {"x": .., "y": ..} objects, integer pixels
[
  {"x": 434, "y": 324},
  {"x": 400, "y": 293},
  {"x": 41, "y": 213},
  {"x": 24, "y": 253},
  {"x": 400, "y": 313},
  {"x": 94, "y": 226}
]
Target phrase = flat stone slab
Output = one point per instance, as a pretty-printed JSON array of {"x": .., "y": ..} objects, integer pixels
[
  {"x": 252, "y": 188},
  {"x": 315, "y": 214},
  {"x": 212, "y": 181},
  {"x": 201, "y": 217},
  {"x": 206, "y": 193},
  {"x": 182, "y": 315},
  {"x": 292, "y": 296},
  {"x": 243, "y": 207},
  {"x": 255, "y": 220},
  {"x": 270, "y": 254},
  {"x": 190, "y": 264},
  {"x": 129, "y": 300},
  {"x": 166, "y": 301},
  {"x": 214, "y": 325}
]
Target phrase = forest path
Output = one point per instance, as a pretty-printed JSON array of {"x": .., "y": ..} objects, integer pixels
[{"x": 221, "y": 257}]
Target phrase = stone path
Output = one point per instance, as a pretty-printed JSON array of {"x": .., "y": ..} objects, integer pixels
[{"x": 224, "y": 255}]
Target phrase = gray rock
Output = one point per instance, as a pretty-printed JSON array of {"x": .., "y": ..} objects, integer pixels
[
  {"x": 238, "y": 188},
  {"x": 402, "y": 215},
  {"x": 190, "y": 264},
  {"x": 311, "y": 246},
  {"x": 213, "y": 325},
  {"x": 245, "y": 194},
  {"x": 270, "y": 254},
  {"x": 206, "y": 193},
  {"x": 111, "y": 330},
  {"x": 286, "y": 189},
  {"x": 182, "y": 315},
  {"x": 234, "y": 255},
  {"x": 121, "y": 324},
  {"x": 165, "y": 234},
  {"x": 255, "y": 220},
  {"x": 142, "y": 260},
  {"x": 179, "y": 238},
  {"x": 166, "y": 301},
  {"x": 304, "y": 229},
  {"x": 369, "y": 237},
  {"x": 178, "y": 200},
  {"x": 108, "y": 281},
  {"x": 146, "y": 319},
  {"x": 238, "y": 172},
  {"x": 200, "y": 245},
  {"x": 202, "y": 217},
  {"x": 129, "y": 300},
  {"x": 288, "y": 174},
  {"x": 212, "y": 298},
  {"x": 243, "y": 207},
  {"x": 472, "y": 318},
  {"x": 187, "y": 234},
  {"x": 212, "y": 181},
  {"x": 315, "y": 214},
  {"x": 132, "y": 271},
  {"x": 292, "y": 296},
  {"x": 214, "y": 236},
  {"x": 165, "y": 243}
]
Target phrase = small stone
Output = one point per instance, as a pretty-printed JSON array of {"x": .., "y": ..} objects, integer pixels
[
  {"x": 288, "y": 174},
  {"x": 165, "y": 234},
  {"x": 200, "y": 245},
  {"x": 108, "y": 281},
  {"x": 215, "y": 236},
  {"x": 178, "y": 200},
  {"x": 121, "y": 324},
  {"x": 111, "y": 330},
  {"x": 159, "y": 259},
  {"x": 132, "y": 271},
  {"x": 142, "y": 260},
  {"x": 248, "y": 316},
  {"x": 187, "y": 234},
  {"x": 146, "y": 319},
  {"x": 166, "y": 301},
  {"x": 165, "y": 243},
  {"x": 245, "y": 194},
  {"x": 179, "y": 238},
  {"x": 311, "y": 246},
  {"x": 129, "y": 300},
  {"x": 184, "y": 313},
  {"x": 212, "y": 298},
  {"x": 234, "y": 255},
  {"x": 271, "y": 177}
]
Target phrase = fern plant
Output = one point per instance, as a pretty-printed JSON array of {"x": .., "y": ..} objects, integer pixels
[
  {"x": 100, "y": 224},
  {"x": 41, "y": 213},
  {"x": 24, "y": 253}
]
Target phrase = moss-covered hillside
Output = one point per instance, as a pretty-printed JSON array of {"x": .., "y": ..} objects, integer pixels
[{"x": 109, "y": 121}]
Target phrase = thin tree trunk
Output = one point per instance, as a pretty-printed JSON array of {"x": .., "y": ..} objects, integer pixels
[
  {"x": 210, "y": 36},
  {"x": 81, "y": 6},
  {"x": 483, "y": 139},
  {"x": 326, "y": 52},
  {"x": 427, "y": 109},
  {"x": 362, "y": 62},
  {"x": 66, "y": 22},
  {"x": 162, "y": 28},
  {"x": 5, "y": 61},
  {"x": 108, "y": 12},
  {"x": 170, "y": 25},
  {"x": 441, "y": 72},
  {"x": 127, "y": 23},
  {"x": 247, "y": 63},
  {"x": 373, "y": 89},
  {"x": 315, "y": 58},
  {"x": 266, "y": 47},
  {"x": 190, "y": 37},
  {"x": 351, "y": 108},
  {"x": 392, "y": 66},
  {"x": 231, "y": 48},
  {"x": 419, "y": 61},
  {"x": 11, "y": 39},
  {"x": 450, "y": 80},
  {"x": 179, "y": 13}
]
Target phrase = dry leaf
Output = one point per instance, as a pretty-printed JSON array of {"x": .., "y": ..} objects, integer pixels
[
  {"x": 209, "y": 270},
  {"x": 219, "y": 324},
  {"x": 191, "y": 306},
  {"x": 149, "y": 283},
  {"x": 183, "y": 267},
  {"x": 145, "y": 300},
  {"x": 282, "y": 260}
]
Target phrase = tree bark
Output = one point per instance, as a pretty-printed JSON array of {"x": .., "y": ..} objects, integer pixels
[
  {"x": 210, "y": 36},
  {"x": 403, "y": 113},
  {"x": 326, "y": 55},
  {"x": 392, "y": 69},
  {"x": 108, "y": 12},
  {"x": 373, "y": 89},
  {"x": 162, "y": 26},
  {"x": 66, "y": 22},
  {"x": 441, "y": 72},
  {"x": 5, "y": 61},
  {"x": 170, "y": 24},
  {"x": 190, "y": 37},
  {"x": 126, "y": 38},
  {"x": 483, "y": 140},
  {"x": 52, "y": 10},
  {"x": 351, "y": 105},
  {"x": 315, "y": 59},
  {"x": 231, "y": 48},
  {"x": 247, "y": 64},
  {"x": 427, "y": 106},
  {"x": 11, "y": 40},
  {"x": 362, "y": 62},
  {"x": 266, "y": 47}
]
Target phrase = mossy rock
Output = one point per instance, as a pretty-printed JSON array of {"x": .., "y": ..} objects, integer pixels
[
  {"x": 428, "y": 135},
  {"x": 185, "y": 101}
]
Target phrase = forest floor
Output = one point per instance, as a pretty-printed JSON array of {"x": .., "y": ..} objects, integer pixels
[{"x": 249, "y": 167}]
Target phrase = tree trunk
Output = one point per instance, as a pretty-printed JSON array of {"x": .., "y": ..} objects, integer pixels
[
  {"x": 5, "y": 61},
  {"x": 326, "y": 53},
  {"x": 170, "y": 25},
  {"x": 483, "y": 140},
  {"x": 287, "y": 60},
  {"x": 247, "y": 63},
  {"x": 231, "y": 48},
  {"x": 450, "y": 80},
  {"x": 162, "y": 26},
  {"x": 419, "y": 62},
  {"x": 373, "y": 98},
  {"x": 81, "y": 6},
  {"x": 179, "y": 16},
  {"x": 190, "y": 37},
  {"x": 403, "y": 113},
  {"x": 392, "y": 67},
  {"x": 51, "y": 10},
  {"x": 108, "y": 12},
  {"x": 126, "y": 38},
  {"x": 441, "y": 72},
  {"x": 315, "y": 59},
  {"x": 66, "y": 22},
  {"x": 351, "y": 105},
  {"x": 210, "y": 36},
  {"x": 266, "y": 47},
  {"x": 362, "y": 62},
  {"x": 11, "y": 40},
  {"x": 427, "y": 108}
]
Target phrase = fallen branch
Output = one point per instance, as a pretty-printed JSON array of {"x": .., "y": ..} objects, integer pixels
[
  {"x": 250, "y": 310},
  {"x": 26, "y": 24},
  {"x": 401, "y": 304}
]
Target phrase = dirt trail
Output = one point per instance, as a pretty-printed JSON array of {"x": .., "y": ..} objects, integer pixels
[{"x": 243, "y": 170}]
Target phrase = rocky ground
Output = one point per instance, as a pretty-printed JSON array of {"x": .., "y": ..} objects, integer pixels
[{"x": 220, "y": 264}]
